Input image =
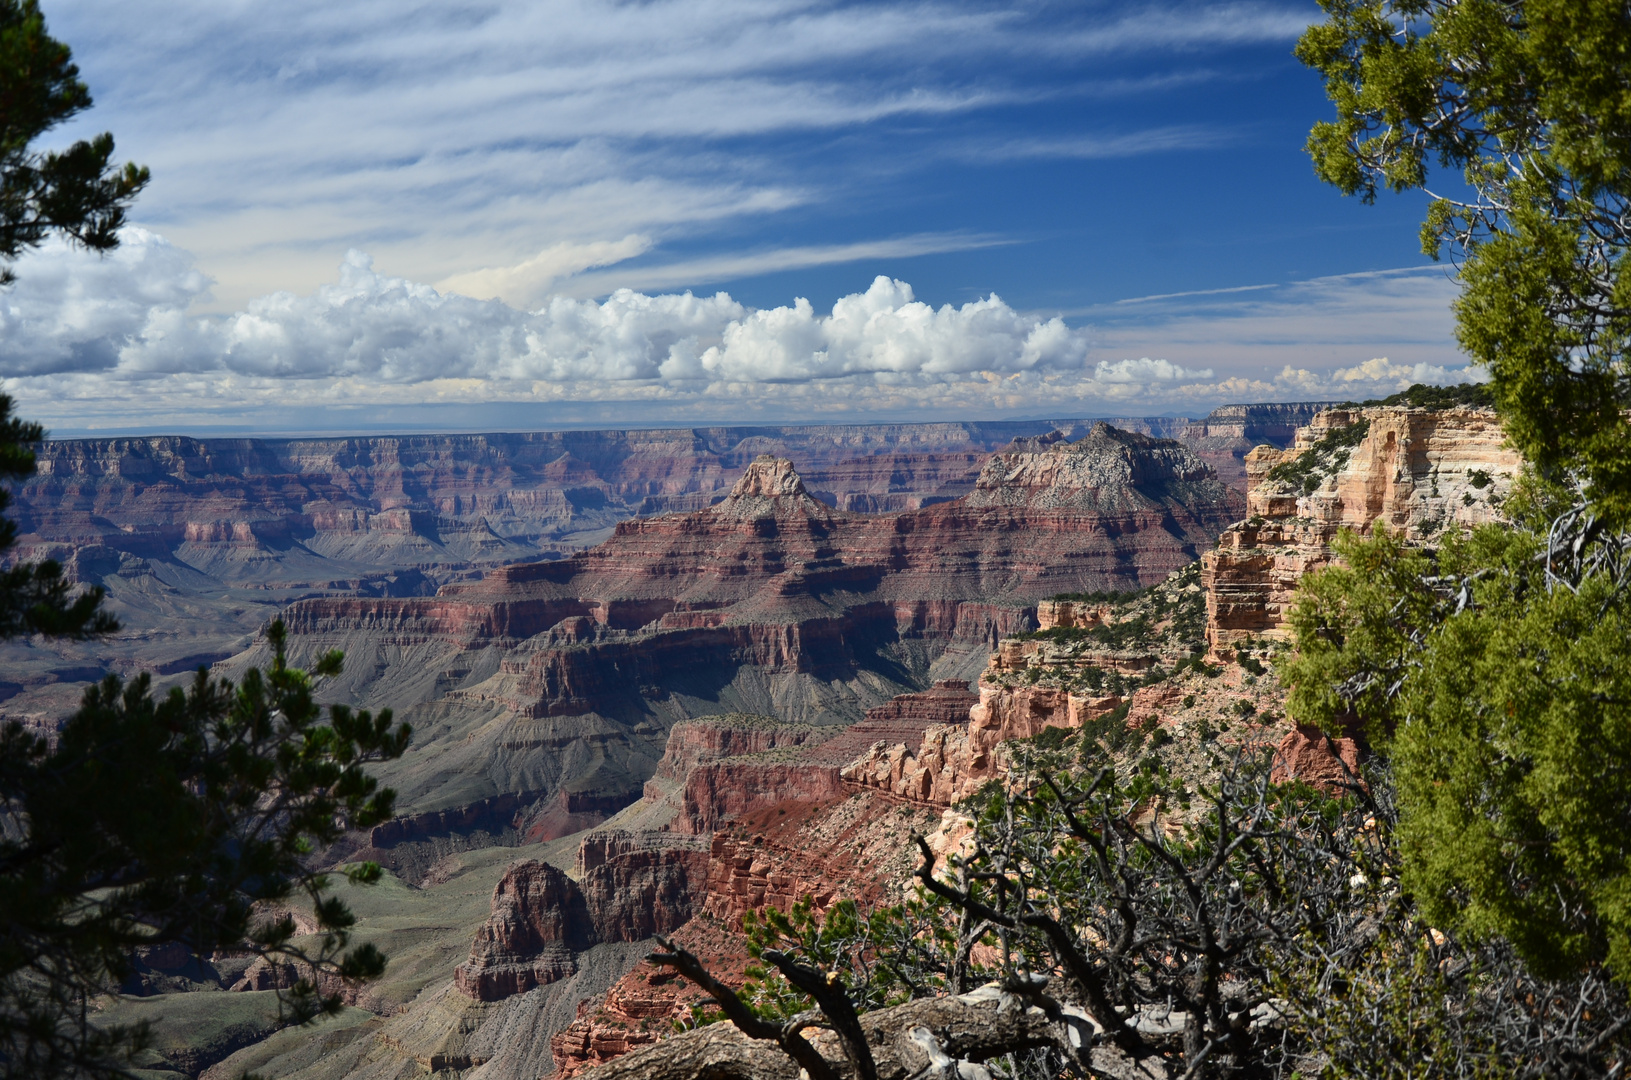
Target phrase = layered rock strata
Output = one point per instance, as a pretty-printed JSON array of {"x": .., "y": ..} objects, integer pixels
[
  {"x": 542, "y": 920},
  {"x": 1418, "y": 472},
  {"x": 201, "y": 542},
  {"x": 903, "y": 719},
  {"x": 951, "y": 761},
  {"x": 769, "y": 598}
]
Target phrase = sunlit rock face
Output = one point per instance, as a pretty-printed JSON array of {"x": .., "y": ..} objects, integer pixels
[{"x": 1417, "y": 472}]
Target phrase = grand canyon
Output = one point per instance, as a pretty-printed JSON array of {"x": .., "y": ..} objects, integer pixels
[{"x": 662, "y": 679}]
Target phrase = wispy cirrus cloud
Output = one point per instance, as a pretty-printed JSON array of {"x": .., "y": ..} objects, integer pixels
[{"x": 452, "y": 140}]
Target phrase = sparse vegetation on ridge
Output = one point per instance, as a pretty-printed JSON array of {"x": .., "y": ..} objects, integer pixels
[
  {"x": 1426, "y": 396},
  {"x": 1327, "y": 456}
]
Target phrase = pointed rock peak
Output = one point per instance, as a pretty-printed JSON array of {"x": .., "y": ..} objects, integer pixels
[
  {"x": 769, "y": 476},
  {"x": 770, "y": 487},
  {"x": 1102, "y": 434},
  {"x": 1034, "y": 444}
]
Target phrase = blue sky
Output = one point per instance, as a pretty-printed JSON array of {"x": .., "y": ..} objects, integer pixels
[{"x": 463, "y": 215}]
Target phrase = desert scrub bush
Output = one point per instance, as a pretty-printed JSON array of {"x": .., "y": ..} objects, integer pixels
[{"x": 1328, "y": 454}]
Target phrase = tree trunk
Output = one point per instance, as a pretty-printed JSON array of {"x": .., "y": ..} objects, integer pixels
[{"x": 970, "y": 1027}]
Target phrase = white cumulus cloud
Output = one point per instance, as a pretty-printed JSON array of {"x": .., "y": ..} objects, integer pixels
[
  {"x": 95, "y": 343},
  {"x": 886, "y": 330},
  {"x": 1377, "y": 377},
  {"x": 125, "y": 317},
  {"x": 1145, "y": 370},
  {"x": 70, "y": 311}
]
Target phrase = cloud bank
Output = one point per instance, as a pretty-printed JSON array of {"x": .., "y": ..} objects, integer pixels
[{"x": 85, "y": 340}]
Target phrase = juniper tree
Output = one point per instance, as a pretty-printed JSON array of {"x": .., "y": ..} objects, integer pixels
[
  {"x": 1525, "y": 104},
  {"x": 1496, "y": 671}
]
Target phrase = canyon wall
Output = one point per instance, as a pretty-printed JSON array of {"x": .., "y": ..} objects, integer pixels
[
  {"x": 201, "y": 542},
  {"x": 1417, "y": 472},
  {"x": 769, "y": 601}
]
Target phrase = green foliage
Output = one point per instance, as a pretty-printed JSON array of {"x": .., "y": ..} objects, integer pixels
[
  {"x": 1109, "y": 733},
  {"x": 1249, "y": 662},
  {"x": 1504, "y": 700},
  {"x": 1423, "y": 396},
  {"x": 1518, "y": 746},
  {"x": 1126, "y": 633},
  {"x": 876, "y": 959},
  {"x": 1328, "y": 454},
  {"x": 151, "y": 820},
  {"x": 1527, "y": 102},
  {"x": 1355, "y": 625},
  {"x": 76, "y": 193}
]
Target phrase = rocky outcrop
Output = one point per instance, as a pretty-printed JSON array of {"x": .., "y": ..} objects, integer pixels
[
  {"x": 748, "y": 874},
  {"x": 952, "y": 761},
  {"x": 1416, "y": 471},
  {"x": 1072, "y": 614},
  {"x": 643, "y": 889},
  {"x": 1109, "y": 472},
  {"x": 710, "y": 738},
  {"x": 903, "y": 719},
  {"x": 644, "y": 1007},
  {"x": 542, "y": 920},
  {"x": 1090, "y": 662},
  {"x": 1308, "y": 754},
  {"x": 539, "y": 924},
  {"x": 721, "y": 791},
  {"x": 1228, "y": 433}
]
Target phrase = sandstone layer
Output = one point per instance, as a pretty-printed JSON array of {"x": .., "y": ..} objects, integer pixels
[{"x": 1417, "y": 472}]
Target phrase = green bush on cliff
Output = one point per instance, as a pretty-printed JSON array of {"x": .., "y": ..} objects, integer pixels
[
  {"x": 1328, "y": 454},
  {"x": 1424, "y": 396},
  {"x": 1499, "y": 686}
]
